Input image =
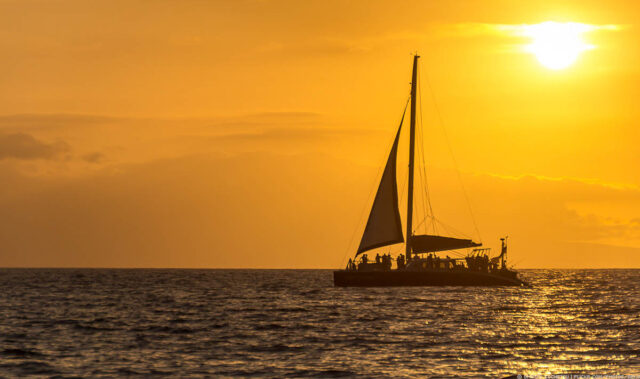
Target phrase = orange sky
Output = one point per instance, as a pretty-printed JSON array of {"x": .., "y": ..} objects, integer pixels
[{"x": 250, "y": 133}]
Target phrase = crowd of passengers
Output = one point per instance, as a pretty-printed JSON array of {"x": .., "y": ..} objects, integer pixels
[
  {"x": 474, "y": 263},
  {"x": 383, "y": 260}
]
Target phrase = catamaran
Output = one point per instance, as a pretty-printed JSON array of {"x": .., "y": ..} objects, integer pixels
[{"x": 420, "y": 265}]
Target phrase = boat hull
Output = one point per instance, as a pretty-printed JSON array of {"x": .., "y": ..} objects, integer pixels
[{"x": 405, "y": 278}]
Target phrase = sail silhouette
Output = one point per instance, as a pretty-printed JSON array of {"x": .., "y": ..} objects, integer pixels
[
  {"x": 427, "y": 243},
  {"x": 384, "y": 226}
]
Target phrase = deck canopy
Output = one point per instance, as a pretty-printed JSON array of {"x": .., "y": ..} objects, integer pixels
[{"x": 426, "y": 243}]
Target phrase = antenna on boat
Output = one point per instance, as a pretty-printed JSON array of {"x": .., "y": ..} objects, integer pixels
[{"x": 503, "y": 251}]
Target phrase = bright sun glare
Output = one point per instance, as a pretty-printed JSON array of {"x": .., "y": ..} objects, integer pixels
[{"x": 557, "y": 45}]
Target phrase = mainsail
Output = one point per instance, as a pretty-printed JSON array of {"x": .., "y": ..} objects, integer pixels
[{"x": 384, "y": 226}]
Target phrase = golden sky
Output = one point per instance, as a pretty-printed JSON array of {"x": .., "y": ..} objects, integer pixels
[{"x": 249, "y": 133}]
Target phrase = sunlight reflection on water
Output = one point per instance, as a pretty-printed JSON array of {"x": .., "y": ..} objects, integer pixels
[{"x": 276, "y": 323}]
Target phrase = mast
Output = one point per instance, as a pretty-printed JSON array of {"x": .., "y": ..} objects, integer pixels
[{"x": 412, "y": 143}]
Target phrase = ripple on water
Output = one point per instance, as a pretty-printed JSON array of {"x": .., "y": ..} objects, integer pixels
[{"x": 294, "y": 323}]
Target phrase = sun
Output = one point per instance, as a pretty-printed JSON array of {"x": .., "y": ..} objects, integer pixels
[{"x": 557, "y": 45}]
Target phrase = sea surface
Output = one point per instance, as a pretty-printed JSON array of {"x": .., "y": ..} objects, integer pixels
[{"x": 294, "y": 323}]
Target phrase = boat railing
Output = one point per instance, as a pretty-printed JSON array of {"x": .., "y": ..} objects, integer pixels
[{"x": 484, "y": 250}]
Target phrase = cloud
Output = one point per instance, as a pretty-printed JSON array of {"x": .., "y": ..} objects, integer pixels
[
  {"x": 281, "y": 134},
  {"x": 321, "y": 47},
  {"x": 563, "y": 210},
  {"x": 275, "y": 210},
  {"x": 95, "y": 157},
  {"x": 262, "y": 119},
  {"x": 25, "y": 146},
  {"x": 196, "y": 211},
  {"x": 514, "y": 30},
  {"x": 128, "y": 140},
  {"x": 44, "y": 121},
  {"x": 36, "y": 121}
]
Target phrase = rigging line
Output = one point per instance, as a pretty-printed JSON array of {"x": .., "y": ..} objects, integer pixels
[
  {"x": 423, "y": 196},
  {"x": 424, "y": 221},
  {"x": 420, "y": 194},
  {"x": 424, "y": 165},
  {"x": 373, "y": 187},
  {"x": 421, "y": 181},
  {"x": 452, "y": 230},
  {"x": 453, "y": 158},
  {"x": 423, "y": 174},
  {"x": 457, "y": 253}
]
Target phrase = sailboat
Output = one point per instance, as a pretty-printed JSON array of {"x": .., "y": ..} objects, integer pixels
[{"x": 420, "y": 265}]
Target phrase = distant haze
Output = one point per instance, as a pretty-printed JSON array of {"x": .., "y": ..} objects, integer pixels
[{"x": 251, "y": 133}]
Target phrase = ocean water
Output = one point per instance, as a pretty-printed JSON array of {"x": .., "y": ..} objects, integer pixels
[{"x": 294, "y": 323}]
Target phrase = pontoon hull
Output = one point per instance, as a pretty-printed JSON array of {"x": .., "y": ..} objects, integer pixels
[{"x": 400, "y": 278}]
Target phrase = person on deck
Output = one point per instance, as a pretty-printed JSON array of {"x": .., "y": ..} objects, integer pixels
[
  {"x": 469, "y": 263},
  {"x": 378, "y": 258},
  {"x": 387, "y": 262}
]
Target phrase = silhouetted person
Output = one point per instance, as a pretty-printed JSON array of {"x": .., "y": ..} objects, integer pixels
[
  {"x": 364, "y": 258},
  {"x": 352, "y": 264},
  {"x": 472, "y": 263},
  {"x": 400, "y": 261},
  {"x": 387, "y": 261}
]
